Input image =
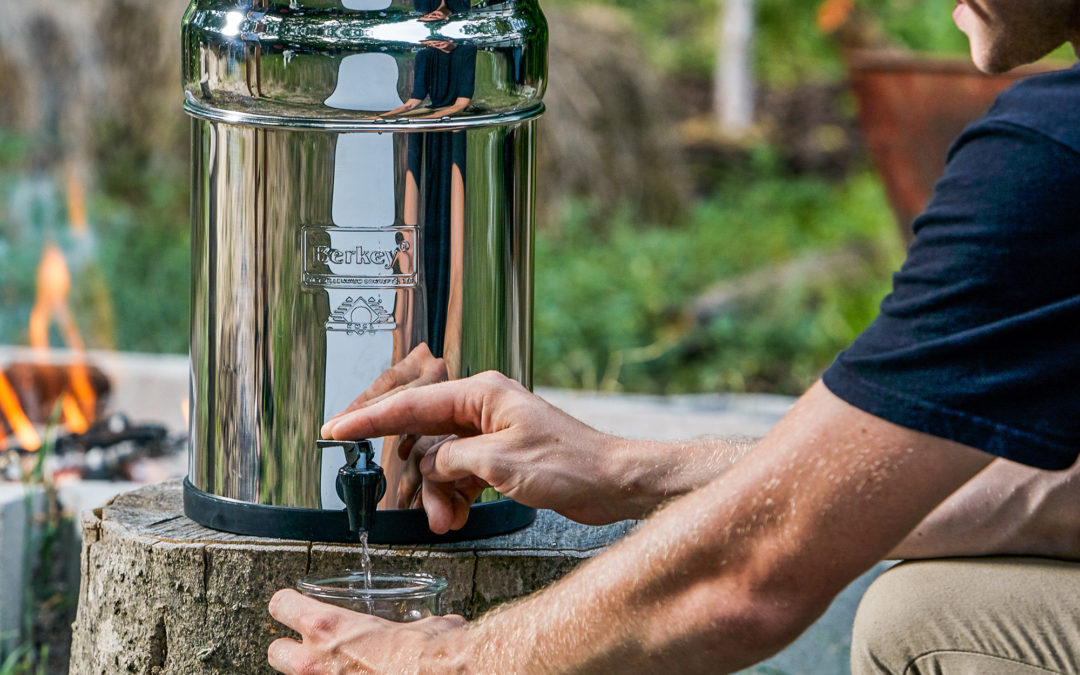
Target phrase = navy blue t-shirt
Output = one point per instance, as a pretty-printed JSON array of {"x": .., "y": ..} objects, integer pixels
[{"x": 979, "y": 341}]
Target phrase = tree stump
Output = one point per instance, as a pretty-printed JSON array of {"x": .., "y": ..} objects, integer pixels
[{"x": 162, "y": 594}]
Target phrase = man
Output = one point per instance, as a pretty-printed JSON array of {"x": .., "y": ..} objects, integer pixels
[{"x": 974, "y": 356}]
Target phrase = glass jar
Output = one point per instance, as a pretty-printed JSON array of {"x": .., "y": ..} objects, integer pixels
[{"x": 400, "y": 596}]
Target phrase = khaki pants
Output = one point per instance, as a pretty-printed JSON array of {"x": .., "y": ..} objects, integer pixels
[{"x": 971, "y": 616}]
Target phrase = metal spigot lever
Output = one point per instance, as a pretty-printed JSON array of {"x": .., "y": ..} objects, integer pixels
[{"x": 360, "y": 483}]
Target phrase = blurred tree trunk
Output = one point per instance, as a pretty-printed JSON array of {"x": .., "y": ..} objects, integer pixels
[
  {"x": 733, "y": 79},
  {"x": 608, "y": 135}
]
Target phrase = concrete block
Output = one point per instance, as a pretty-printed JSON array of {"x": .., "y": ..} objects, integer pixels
[{"x": 15, "y": 538}]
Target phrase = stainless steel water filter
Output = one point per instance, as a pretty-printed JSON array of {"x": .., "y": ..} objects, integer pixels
[{"x": 362, "y": 185}]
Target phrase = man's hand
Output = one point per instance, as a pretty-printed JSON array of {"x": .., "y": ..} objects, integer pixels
[
  {"x": 335, "y": 640},
  {"x": 488, "y": 430},
  {"x": 499, "y": 434}
]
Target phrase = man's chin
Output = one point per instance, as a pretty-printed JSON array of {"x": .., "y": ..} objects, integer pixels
[
  {"x": 995, "y": 63},
  {"x": 992, "y": 67}
]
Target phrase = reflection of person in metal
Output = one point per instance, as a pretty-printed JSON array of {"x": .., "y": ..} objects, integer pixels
[
  {"x": 440, "y": 10},
  {"x": 402, "y": 475},
  {"x": 445, "y": 73},
  {"x": 253, "y": 64},
  {"x": 435, "y": 170},
  {"x": 402, "y": 265}
]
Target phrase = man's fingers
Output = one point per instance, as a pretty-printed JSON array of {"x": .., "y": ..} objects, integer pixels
[
  {"x": 456, "y": 619},
  {"x": 418, "y": 368},
  {"x": 409, "y": 483},
  {"x": 309, "y": 617},
  {"x": 287, "y": 605},
  {"x": 286, "y": 656},
  {"x": 405, "y": 447},
  {"x": 447, "y": 504},
  {"x": 456, "y": 458},
  {"x": 438, "y": 501},
  {"x": 468, "y": 489},
  {"x": 455, "y": 407},
  {"x": 298, "y": 612}
]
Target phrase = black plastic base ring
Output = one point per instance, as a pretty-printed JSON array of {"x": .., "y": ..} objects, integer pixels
[{"x": 408, "y": 526}]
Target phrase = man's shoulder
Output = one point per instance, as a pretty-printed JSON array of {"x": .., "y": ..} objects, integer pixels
[{"x": 1048, "y": 104}]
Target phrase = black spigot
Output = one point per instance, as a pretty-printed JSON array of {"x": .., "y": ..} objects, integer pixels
[{"x": 360, "y": 483}]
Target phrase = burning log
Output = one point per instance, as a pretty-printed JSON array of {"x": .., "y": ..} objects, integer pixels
[
  {"x": 89, "y": 444},
  {"x": 41, "y": 387}
]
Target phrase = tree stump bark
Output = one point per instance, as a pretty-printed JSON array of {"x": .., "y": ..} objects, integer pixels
[{"x": 162, "y": 594}]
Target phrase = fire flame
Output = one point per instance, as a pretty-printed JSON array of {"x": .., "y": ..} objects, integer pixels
[
  {"x": 20, "y": 424},
  {"x": 77, "y": 402},
  {"x": 73, "y": 416},
  {"x": 51, "y": 303},
  {"x": 53, "y": 287}
]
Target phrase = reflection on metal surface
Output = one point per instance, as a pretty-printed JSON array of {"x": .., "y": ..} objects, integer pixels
[
  {"x": 329, "y": 239},
  {"x": 329, "y": 60}
]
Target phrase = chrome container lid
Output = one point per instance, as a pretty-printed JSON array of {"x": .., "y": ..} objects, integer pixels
[{"x": 350, "y": 64}]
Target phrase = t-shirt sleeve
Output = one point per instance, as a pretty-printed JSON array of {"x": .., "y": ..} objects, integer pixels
[{"x": 979, "y": 340}]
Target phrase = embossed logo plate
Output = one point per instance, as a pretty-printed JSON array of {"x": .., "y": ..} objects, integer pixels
[{"x": 340, "y": 257}]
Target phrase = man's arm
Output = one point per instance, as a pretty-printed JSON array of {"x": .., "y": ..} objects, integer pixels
[
  {"x": 1008, "y": 509},
  {"x": 717, "y": 580},
  {"x": 729, "y": 574}
]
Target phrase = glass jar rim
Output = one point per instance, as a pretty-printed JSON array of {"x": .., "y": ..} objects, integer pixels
[{"x": 392, "y": 585}]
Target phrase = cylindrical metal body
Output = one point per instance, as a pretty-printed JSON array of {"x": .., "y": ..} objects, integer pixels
[{"x": 362, "y": 185}]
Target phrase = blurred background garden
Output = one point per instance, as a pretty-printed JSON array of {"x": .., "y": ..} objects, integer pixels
[{"x": 672, "y": 255}]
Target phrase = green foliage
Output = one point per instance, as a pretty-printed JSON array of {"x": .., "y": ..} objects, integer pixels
[
  {"x": 143, "y": 212},
  {"x": 612, "y": 307},
  {"x": 25, "y": 661},
  {"x": 146, "y": 268}
]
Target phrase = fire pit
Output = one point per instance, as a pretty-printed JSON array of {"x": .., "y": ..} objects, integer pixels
[
  {"x": 63, "y": 404},
  {"x": 61, "y": 401}
]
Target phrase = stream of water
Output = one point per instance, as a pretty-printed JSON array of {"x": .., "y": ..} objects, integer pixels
[
  {"x": 365, "y": 565},
  {"x": 365, "y": 559}
]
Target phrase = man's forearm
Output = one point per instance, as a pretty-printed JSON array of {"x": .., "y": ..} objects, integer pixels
[
  {"x": 651, "y": 473},
  {"x": 1008, "y": 509},
  {"x": 654, "y": 601}
]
